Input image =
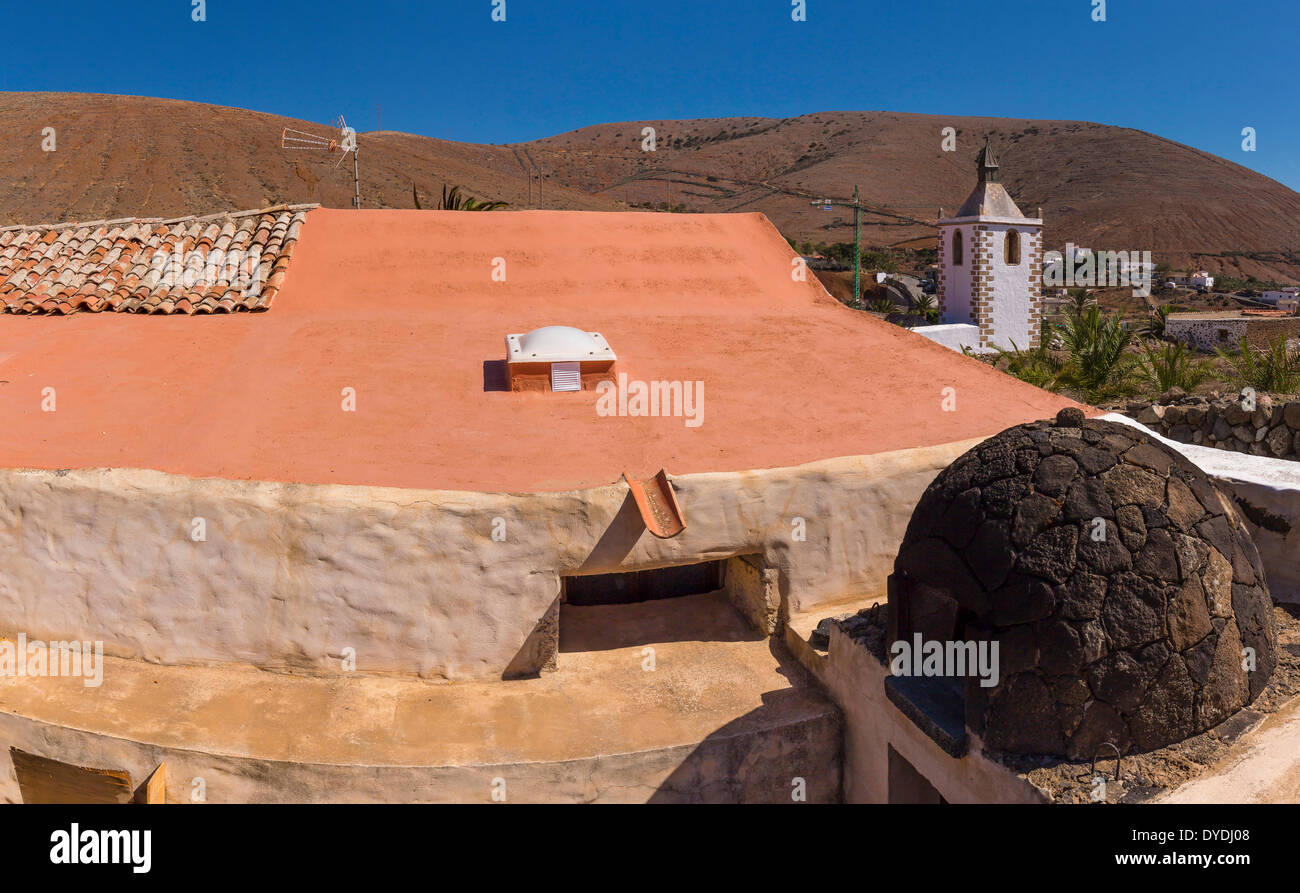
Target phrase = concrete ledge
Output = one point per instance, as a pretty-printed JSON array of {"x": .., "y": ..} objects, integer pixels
[
  {"x": 874, "y": 725},
  {"x": 954, "y": 336},
  {"x": 935, "y": 707},
  {"x": 724, "y": 715}
]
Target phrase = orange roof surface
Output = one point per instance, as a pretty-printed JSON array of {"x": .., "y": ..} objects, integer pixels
[
  {"x": 403, "y": 308},
  {"x": 214, "y": 264}
]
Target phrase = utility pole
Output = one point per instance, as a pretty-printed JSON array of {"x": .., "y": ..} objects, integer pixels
[
  {"x": 356, "y": 179},
  {"x": 857, "y": 248},
  {"x": 826, "y": 205}
]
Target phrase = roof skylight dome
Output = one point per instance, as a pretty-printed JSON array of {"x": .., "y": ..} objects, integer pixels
[
  {"x": 561, "y": 355},
  {"x": 551, "y": 344}
]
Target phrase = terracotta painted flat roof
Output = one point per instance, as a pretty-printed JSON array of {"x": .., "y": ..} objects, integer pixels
[{"x": 402, "y": 307}]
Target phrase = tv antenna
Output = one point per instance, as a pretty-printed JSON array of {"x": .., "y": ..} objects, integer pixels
[{"x": 345, "y": 142}]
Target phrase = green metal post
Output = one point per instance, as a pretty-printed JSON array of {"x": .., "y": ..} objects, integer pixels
[{"x": 857, "y": 250}]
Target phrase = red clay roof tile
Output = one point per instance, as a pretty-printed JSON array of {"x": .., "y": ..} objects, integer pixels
[{"x": 215, "y": 264}]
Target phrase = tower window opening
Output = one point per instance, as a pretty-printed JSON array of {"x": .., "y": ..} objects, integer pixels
[{"x": 1011, "y": 252}]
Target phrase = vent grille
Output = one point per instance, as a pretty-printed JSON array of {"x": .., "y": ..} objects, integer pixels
[{"x": 566, "y": 377}]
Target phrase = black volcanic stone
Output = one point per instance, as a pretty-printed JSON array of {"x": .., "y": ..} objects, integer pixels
[
  {"x": 1054, "y": 475},
  {"x": 1098, "y": 560},
  {"x": 1081, "y": 597},
  {"x": 1051, "y": 554},
  {"x": 1070, "y": 417},
  {"x": 1107, "y": 555}
]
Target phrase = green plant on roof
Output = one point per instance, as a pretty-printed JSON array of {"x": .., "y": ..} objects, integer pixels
[
  {"x": 453, "y": 200},
  {"x": 924, "y": 305}
]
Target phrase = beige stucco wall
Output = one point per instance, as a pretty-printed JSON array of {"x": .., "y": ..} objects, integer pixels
[
  {"x": 291, "y": 575},
  {"x": 872, "y": 724}
]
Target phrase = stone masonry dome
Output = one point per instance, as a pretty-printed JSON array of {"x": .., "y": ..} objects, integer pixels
[{"x": 1125, "y": 594}]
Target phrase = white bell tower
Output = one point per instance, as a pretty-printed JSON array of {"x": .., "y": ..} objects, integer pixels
[{"x": 991, "y": 264}]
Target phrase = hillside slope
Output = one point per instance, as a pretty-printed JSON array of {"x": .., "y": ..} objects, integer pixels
[
  {"x": 120, "y": 156},
  {"x": 1101, "y": 187}
]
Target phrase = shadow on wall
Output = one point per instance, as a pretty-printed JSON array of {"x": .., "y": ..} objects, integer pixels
[
  {"x": 791, "y": 746},
  {"x": 703, "y": 617},
  {"x": 618, "y": 540}
]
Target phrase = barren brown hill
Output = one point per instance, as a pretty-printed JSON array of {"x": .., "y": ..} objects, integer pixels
[
  {"x": 1099, "y": 186},
  {"x": 119, "y": 156}
]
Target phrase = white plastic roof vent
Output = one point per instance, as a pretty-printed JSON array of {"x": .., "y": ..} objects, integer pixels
[
  {"x": 566, "y": 377},
  {"x": 557, "y": 344}
]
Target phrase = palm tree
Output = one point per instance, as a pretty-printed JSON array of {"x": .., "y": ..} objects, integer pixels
[
  {"x": 1154, "y": 327},
  {"x": 1272, "y": 369},
  {"x": 454, "y": 201},
  {"x": 1096, "y": 343},
  {"x": 1172, "y": 365},
  {"x": 881, "y": 305},
  {"x": 924, "y": 305},
  {"x": 1080, "y": 300}
]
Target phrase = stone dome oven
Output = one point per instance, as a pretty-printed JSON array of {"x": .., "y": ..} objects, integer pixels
[{"x": 1118, "y": 581}]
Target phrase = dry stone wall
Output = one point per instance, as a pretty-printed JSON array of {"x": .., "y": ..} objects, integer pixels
[{"x": 1264, "y": 426}]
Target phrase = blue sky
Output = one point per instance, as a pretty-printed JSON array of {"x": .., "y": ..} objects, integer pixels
[{"x": 1195, "y": 71}]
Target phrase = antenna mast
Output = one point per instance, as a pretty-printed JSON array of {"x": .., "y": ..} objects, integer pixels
[{"x": 303, "y": 141}]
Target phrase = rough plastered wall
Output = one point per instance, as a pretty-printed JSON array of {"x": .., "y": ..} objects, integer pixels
[
  {"x": 1205, "y": 334},
  {"x": 436, "y": 583},
  {"x": 755, "y": 591}
]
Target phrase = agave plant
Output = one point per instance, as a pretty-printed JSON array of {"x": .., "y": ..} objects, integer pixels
[
  {"x": 1275, "y": 368},
  {"x": 1172, "y": 365},
  {"x": 453, "y": 200},
  {"x": 1096, "y": 343}
]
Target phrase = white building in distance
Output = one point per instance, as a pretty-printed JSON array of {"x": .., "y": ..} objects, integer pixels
[{"x": 1277, "y": 296}]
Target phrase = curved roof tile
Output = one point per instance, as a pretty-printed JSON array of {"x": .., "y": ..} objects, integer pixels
[{"x": 224, "y": 262}]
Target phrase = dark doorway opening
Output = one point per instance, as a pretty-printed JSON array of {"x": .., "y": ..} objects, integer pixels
[
  {"x": 907, "y": 785},
  {"x": 644, "y": 586}
]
